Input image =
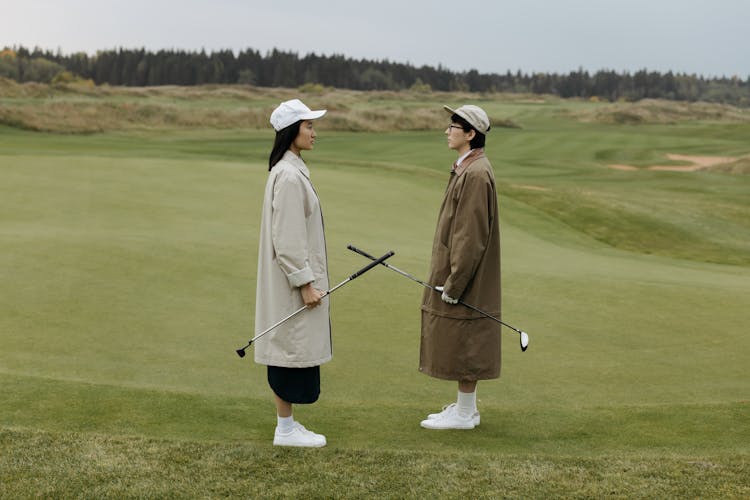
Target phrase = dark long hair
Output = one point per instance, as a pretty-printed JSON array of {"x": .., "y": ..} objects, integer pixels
[
  {"x": 478, "y": 140},
  {"x": 283, "y": 141}
]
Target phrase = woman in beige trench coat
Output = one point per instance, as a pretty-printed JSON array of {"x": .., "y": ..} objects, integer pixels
[
  {"x": 292, "y": 271},
  {"x": 458, "y": 343}
]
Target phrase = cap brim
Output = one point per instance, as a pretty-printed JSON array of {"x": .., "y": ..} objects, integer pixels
[
  {"x": 459, "y": 113},
  {"x": 313, "y": 115}
]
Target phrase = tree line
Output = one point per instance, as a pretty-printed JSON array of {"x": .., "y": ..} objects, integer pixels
[{"x": 276, "y": 68}]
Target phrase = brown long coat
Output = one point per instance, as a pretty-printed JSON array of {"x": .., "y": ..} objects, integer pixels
[{"x": 458, "y": 343}]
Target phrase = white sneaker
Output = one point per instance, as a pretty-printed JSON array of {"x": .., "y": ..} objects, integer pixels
[
  {"x": 449, "y": 419},
  {"x": 451, "y": 408},
  {"x": 299, "y": 436}
]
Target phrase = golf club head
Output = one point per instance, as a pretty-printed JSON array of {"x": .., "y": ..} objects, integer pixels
[
  {"x": 241, "y": 352},
  {"x": 524, "y": 341}
]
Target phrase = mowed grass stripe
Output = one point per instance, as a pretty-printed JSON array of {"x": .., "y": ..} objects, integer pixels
[
  {"x": 551, "y": 430},
  {"x": 159, "y": 300},
  {"x": 40, "y": 463}
]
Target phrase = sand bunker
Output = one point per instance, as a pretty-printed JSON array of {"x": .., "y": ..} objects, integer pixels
[
  {"x": 623, "y": 167},
  {"x": 528, "y": 186},
  {"x": 696, "y": 163}
]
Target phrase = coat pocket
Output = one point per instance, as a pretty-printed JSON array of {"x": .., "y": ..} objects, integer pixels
[{"x": 441, "y": 264}]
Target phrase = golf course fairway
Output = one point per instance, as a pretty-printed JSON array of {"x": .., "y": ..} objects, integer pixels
[{"x": 127, "y": 277}]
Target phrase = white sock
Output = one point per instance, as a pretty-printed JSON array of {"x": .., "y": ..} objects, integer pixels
[
  {"x": 467, "y": 402},
  {"x": 285, "y": 425}
]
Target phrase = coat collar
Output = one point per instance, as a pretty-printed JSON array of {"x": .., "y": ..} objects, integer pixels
[
  {"x": 297, "y": 162},
  {"x": 474, "y": 155}
]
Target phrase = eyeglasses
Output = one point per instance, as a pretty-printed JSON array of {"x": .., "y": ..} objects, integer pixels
[{"x": 455, "y": 126}]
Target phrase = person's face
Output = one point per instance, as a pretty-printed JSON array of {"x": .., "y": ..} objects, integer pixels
[
  {"x": 305, "y": 139},
  {"x": 458, "y": 139}
]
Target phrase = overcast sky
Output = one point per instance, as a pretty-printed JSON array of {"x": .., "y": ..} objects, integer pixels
[{"x": 707, "y": 37}]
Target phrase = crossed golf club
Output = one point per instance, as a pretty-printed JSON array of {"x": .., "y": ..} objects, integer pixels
[
  {"x": 241, "y": 352},
  {"x": 524, "y": 337}
]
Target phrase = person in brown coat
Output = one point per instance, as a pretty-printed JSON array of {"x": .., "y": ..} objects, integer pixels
[{"x": 458, "y": 343}]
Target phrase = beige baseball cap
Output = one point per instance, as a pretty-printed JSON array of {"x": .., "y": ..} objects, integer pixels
[
  {"x": 292, "y": 111},
  {"x": 475, "y": 115}
]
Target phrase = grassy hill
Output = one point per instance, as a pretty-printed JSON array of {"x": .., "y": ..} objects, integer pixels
[{"x": 128, "y": 258}]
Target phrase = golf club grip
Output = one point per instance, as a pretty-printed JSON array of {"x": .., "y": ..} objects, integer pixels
[
  {"x": 361, "y": 252},
  {"x": 372, "y": 264}
]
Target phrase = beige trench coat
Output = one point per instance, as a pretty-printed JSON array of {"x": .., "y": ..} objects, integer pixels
[
  {"x": 458, "y": 343},
  {"x": 292, "y": 253}
]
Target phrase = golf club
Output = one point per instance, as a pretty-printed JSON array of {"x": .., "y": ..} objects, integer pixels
[
  {"x": 241, "y": 352},
  {"x": 524, "y": 337}
]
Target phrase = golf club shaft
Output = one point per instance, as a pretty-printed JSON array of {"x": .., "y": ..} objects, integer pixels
[
  {"x": 355, "y": 275},
  {"x": 280, "y": 322},
  {"x": 402, "y": 273}
]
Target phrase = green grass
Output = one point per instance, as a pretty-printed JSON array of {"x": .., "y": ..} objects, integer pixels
[
  {"x": 120, "y": 466},
  {"x": 127, "y": 276}
]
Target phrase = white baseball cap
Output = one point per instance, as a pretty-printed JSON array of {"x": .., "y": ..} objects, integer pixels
[
  {"x": 475, "y": 115},
  {"x": 289, "y": 112}
]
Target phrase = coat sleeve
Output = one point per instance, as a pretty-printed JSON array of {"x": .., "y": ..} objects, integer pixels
[
  {"x": 471, "y": 231},
  {"x": 289, "y": 229}
]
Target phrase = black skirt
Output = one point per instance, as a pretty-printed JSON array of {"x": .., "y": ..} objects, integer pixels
[{"x": 295, "y": 385}]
